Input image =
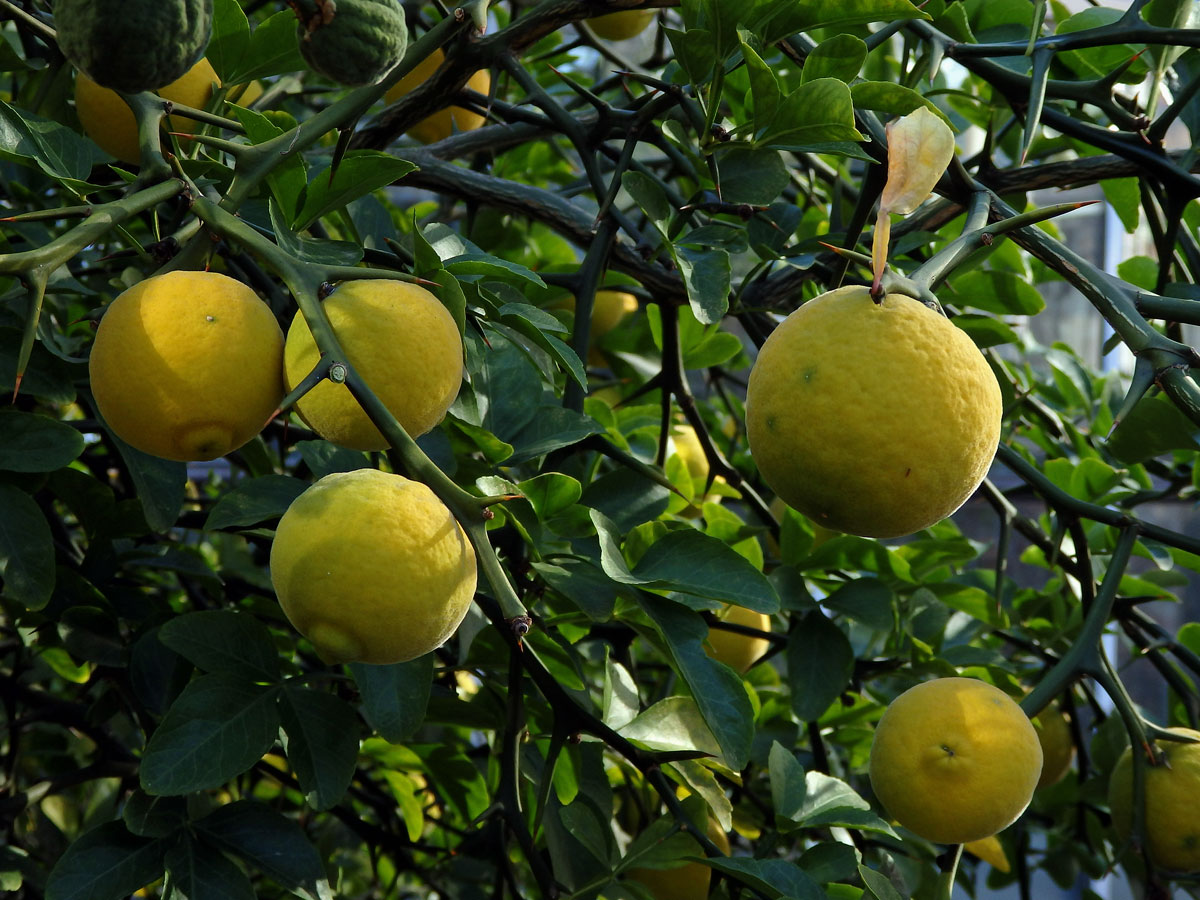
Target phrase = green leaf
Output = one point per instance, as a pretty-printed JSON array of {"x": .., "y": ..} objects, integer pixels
[
  {"x": 288, "y": 180},
  {"x": 1003, "y": 293},
  {"x": 54, "y": 148},
  {"x": 649, "y": 195},
  {"x": 764, "y": 88},
  {"x": 751, "y": 176},
  {"x": 986, "y": 331},
  {"x": 787, "y": 782},
  {"x": 148, "y": 816},
  {"x": 866, "y": 600},
  {"x": 34, "y": 443},
  {"x": 1125, "y": 197},
  {"x": 706, "y": 275},
  {"x": 818, "y": 112},
  {"x": 583, "y": 584},
  {"x": 780, "y": 18},
  {"x": 223, "y": 640},
  {"x": 774, "y": 878},
  {"x": 214, "y": 731},
  {"x": 359, "y": 173},
  {"x": 198, "y": 872},
  {"x": 551, "y": 493},
  {"x": 691, "y": 562},
  {"x": 488, "y": 266},
  {"x": 1140, "y": 271},
  {"x": 840, "y": 57},
  {"x": 878, "y": 885},
  {"x": 26, "y": 549},
  {"x": 91, "y": 633},
  {"x": 1153, "y": 427},
  {"x": 314, "y": 250},
  {"x": 254, "y": 500},
  {"x": 106, "y": 863},
  {"x": 274, "y": 49},
  {"x": 395, "y": 696},
  {"x": 717, "y": 688},
  {"x": 273, "y": 844},
  {"x": 322, "y": 734},
  {"x": 324, "y": 458},
  {"x": 161, "y": 484},
  {"x": 675, "y": 723},
  {"x": 820, "y": 661},
  {"x": 550, "y": 428},
  {"x": 830, "y": 801},
  {"x": 693, "y": 50},
  {"x": 893, "y": 99},
  {"x": 230, "y": 39}
]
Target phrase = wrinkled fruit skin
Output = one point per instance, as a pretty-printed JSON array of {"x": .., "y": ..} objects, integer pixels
[
  {"x": 372, "y": 567},
  {"x": 133, "y": 47},
  {"x": 354, "y": 42},
  {"x": 186, "y": 365},
  {"x": 875, "y": 419},
  {"x": 1172, "y": 811},
  {"x": 955, "y": 760}
]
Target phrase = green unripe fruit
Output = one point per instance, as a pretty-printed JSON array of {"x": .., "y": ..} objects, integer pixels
[
  {"x": 353, "y": 42},
  {"x": 133, "y": 47}
]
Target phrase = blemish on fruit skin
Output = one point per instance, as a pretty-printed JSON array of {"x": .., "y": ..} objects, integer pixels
[{"x": 210, "y": 318}]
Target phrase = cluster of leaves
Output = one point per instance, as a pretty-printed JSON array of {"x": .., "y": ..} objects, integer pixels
[{"x": 166, "y": 729}]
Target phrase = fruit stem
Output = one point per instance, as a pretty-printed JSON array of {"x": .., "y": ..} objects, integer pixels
[{"x": 948, "y": 865}]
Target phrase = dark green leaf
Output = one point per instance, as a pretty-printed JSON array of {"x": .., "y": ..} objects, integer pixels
[
  {"x": 289, "y": 179},
  {"x": 751, "y": 176},
  {"x": 274, "y": 49},
  {"x": 93, "y": 634},
  {"x": 224, "y": 640},
  {"x": 986, "y": 331},
  {"x": 484, "y": 264},
  {"x": 583, "y": 584},
  {"x": 1153, "y": 427},
  {"x": 106, "y": 863},
  {"x": 706, "y": 275},
  {"x": 322, "y": 733},
  {"x": 198, "y": 872},
  {"x": 324, "y": 458},
  {"x": 161, "y": 484},
  {"x": 840, "y": 57},
  {"x": 230, "y": 38},
  {"x": 866, "y": 600},
  {"x": 154, "y": 816},
  {"x": 649, "y": 195},
  {"x": 217, "y": 729},
  {"x": 1003, "y": 293},
  {"x": 627, "y": 497},
  {"x": 820, "y": 661},
  {"x": 787, "y": 782},
  {"x": 830, "y": 801},
  {"x": 359, "y": 173},
  {"x": 52, "y": 146},
  {"x": 693, "y": 50},
  {"x": 254, "y": 500},
  {"x": 550, "y": 428},
  {"x": 395, "y": 696},
  {"x": 35, "y": 443},
  {"x": 818, "y": 112},
  {"x": 878, "y": 885},
  {"x": 718, "y": 690},
  {"x": 691, "y": 562},
  {"x": 26, "y": 549},
  {"x": 893, "y": 99},
  {"x": 314, "y": 250},
  {"x": 273, "y": 844},
  {"x": 775, "y": 878}
]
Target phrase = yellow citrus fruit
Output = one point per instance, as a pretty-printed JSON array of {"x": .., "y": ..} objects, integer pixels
[
  {"x": 1172, "y": 807},
  {"x": 621, "y": 26},
  {"x": 1058, "y": 749},
  {"x": 186, "y": 365},
  {"x": 403, "y": 343},
  {"x": 955, "y": 760},
  {"x": 738, "y": 651},
  {"x": 372, "y": 567},
  {"x": 609, "y": 309},
  {"x": 872, "y": 419},
  {"x": 109, "y": 122},
  {"x": 449, "y": 119},
  {"x": 991, "y": 851},
  {"x": 687, "y": 882}
]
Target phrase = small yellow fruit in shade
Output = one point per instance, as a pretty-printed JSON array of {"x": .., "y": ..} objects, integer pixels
[
  {"x": 447, "y": 120},
  {"x": 372, "y": 567},
  {"x": 401, "y": 341},
  {"x": 955, "y": 760},
  {"x": 186, "y": 365},
  {"x": 687, "y": 882},
  {"x": 609, "y": 309},
  {"x": 109, "y": 122},
  {"x": 738, "y": 651},
  {"x": 991, "y": 851},
  {"x": 689, "y": 449},
  {"x": 876, "y": 419},
  {"x": 1058, "y": 749},
  {"x": 1172, "y": 803},
  {"x": 621, "y": 26}
]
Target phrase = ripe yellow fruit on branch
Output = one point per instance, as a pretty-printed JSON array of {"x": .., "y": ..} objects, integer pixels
[
  {"x": 447, "y": 120},
  {"x": 186, "y": 365},
  {"x": 736, "y": 650},
  {"x": 876, "y": 419},
  {"x": 1058, "y": 748},
  {"x": 687, "y": 882},
  {"x": 622, "y": 25},
  {"x": 401, "y": 341},
  {"x": 109, "y": 121},
  {"x": 372, "y": 567},
  {"x": 1172, "y": 803},
  {"x": 955, "y": 760}
]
